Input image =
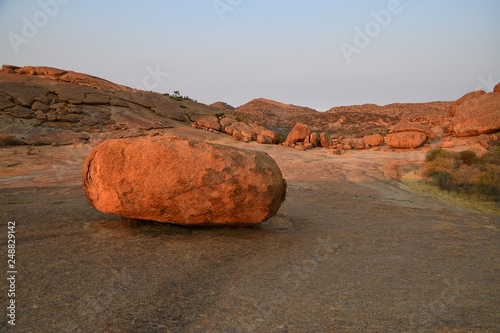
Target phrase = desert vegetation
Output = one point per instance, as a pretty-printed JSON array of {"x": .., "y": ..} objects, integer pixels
[
  {"x": 465, "y": 174},
  {"x": 178, "y": 97}
]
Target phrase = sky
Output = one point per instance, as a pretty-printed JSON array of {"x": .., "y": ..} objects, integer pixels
[{"x": 314, "y": 53}]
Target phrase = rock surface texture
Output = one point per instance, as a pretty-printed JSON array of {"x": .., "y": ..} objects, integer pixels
[
  {"x": 414, "y": 127},
  {"x": 299, "y": 133},
  {"x": 181, "y": 181},
  {"x": 374, "y": 140},
  {"x": 465, "y": 98},
  {"x": 478, "y": 116},
  {"x": 44, "y": 105},
  {"x": 406, "y": 139}
]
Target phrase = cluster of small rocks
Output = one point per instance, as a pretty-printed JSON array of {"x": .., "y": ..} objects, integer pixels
[
  {"x": 409, "y": 135},
  {"x": 239, "y": 130}
]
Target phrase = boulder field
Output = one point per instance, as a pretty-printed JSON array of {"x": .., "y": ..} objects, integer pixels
[{"x": 180, "y": 181}]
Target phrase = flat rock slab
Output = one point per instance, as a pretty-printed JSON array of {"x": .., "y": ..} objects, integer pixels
[
  {"x": 338, "y": 257},
  {"x": 179, "y": 181}
]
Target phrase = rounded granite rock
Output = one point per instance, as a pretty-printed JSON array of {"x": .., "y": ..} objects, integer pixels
[{"x": 180, "y": 181}]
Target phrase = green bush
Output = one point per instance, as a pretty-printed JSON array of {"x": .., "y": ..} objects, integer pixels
[
  {"x": 242, "y": 118},
  {"x": 442, "y": 179},
  {"x": 433, "y": 154},
  {"x": 465, "y": 173},
  {"x": 468, "y": 157}
]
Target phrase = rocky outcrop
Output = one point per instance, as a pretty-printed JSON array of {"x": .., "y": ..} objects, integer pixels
[
  {"x": 298, "y": 134},
  {"x": 497, "y": 89},
  {"x": 183, "y": 182},
  {"x": 414, "y": 127},
  {"x": 406, "y": 140},
  {"x": 208, "y": 122},
  {"x": 226, "y": 121},
  {"x": 447, "y": 128},
  {"x": 478, "y": 116},
  {"x": 374, "y": 140},
  {"x": 44, "y": 105},
  {"x": 240, "y": 131},
  {"x": 464, "y": 99},
  {"x": 270, "y": 136}
]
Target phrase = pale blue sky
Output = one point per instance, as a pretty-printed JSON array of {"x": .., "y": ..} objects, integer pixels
[{"x": 286, "y": 50}]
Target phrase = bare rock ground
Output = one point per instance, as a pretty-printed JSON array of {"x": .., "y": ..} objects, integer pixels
[{"x": 351, "y": 250}]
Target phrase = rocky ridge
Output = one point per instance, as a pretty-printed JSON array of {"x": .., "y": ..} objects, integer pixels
[{"x": 43, "y": 105}]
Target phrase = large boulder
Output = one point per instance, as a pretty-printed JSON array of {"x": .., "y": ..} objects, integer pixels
[
  {"x": 227, "y": 121},
  {"x": 478, "y": 116},
  {"x": 358, "y": 144},
  {"x": 265, "y": 140},
  {"x": 464, "y": 99},
  {"x": 271, "y": 136},
  {"x": 314, "y": 139},
  {"x": 406, "y": 139},
  {"x": 414, "y": 127},
  {"x": 208, "y": 122},
  {"x": 299, "y": 132},
  {"x": 497, "y": 89},
  {"x": 183, "y": 182},
  {"x": 374, "y": 140},
  {"x": 325, "y": 139}
]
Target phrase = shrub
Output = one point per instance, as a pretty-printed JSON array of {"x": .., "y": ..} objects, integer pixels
[
  {"x": 433, "y": 154},
  {"x": 489, "y": 183},
  {"x": 465, "y": 173},
  {"x": 242, "y": 118},
  {"x": 442, "y": 179},
  {"x": 493, "y": 157},
  {"x": 468, "y": 157}
]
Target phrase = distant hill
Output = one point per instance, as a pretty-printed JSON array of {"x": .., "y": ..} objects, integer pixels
[
  {"x": 44, "y": 105},
  {"x": 224, "y": 107},
  {"x": 352, "y": 120}
]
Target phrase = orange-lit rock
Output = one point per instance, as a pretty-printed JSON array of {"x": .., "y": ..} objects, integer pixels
[
  {"x": 465, "y": 98},
  {"x": 374, "y": 140},
  {"x": 478, "y": 116},
  {"x": 497, "y": 89},
  {"x": 406, "y": 139},
  {"x": 325, "y": 139},
  {"x": 299, "y": 132},
  {"x": 448, "y": 144},
  {"x": 183, "y": 182},
  {"x": 414, "y": 127}
]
